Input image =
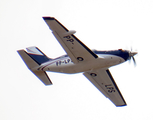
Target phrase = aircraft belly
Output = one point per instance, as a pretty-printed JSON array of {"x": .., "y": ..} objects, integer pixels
[
  {"x": 64, "y": 68},
  {"x": 69, "y": 67},
  {"x": 111, "y": 60}
]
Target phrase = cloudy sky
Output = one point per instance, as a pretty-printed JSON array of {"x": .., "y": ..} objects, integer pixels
[{"x": 101, "y": 25}]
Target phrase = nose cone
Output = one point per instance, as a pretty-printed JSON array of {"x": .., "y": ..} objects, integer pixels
[{"x": 133, "y": 53}]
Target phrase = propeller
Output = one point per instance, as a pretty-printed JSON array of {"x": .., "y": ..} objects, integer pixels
[{"x": 131, "y": 55}]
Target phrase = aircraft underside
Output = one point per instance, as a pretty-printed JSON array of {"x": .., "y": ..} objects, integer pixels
[{"x": 67, "y": 66}]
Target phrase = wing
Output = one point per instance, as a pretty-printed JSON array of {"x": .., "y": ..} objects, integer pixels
[
  {"x": 104, "y": 81},
  {"x": 75, "y": 49}
]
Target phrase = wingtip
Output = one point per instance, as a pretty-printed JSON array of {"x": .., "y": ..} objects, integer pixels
[
  {"x": 121, "y": 105},
  {"x": 48, "y": 18}
]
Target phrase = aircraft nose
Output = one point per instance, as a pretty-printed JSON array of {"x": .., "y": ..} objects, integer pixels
[{"x": 133, "y": 53}]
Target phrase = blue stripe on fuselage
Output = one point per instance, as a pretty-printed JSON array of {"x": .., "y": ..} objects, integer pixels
[{"x": 121, "y": 53}]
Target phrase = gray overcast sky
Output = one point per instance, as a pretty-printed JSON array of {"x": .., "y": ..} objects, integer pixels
[{"x": 101, "y": 25}]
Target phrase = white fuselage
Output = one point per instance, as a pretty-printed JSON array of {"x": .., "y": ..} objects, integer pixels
[{"x": 65, "y": 65}]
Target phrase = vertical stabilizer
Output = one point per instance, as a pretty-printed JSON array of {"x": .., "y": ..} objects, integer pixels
[{"x": 37, "y": 55}]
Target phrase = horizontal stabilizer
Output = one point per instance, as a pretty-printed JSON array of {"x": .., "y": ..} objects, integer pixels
[
  {"x": 32, "y": 64},
  {"x": 42, "y": 75}
]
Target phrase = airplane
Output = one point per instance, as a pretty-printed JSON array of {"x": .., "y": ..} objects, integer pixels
[{"x": 94, "y": 64}]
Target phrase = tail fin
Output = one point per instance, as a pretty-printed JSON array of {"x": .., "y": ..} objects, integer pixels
[
  {"x": 37, "y": 55},
  {"x": 32, "y": 61}
]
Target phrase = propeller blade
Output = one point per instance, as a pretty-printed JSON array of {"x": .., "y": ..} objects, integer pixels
[
  {"x": 134, "y": 61},
  {"x": 131, "y": 56}
]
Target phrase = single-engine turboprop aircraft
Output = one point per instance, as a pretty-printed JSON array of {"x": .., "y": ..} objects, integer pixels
[{"x": 93, "y": 64}]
